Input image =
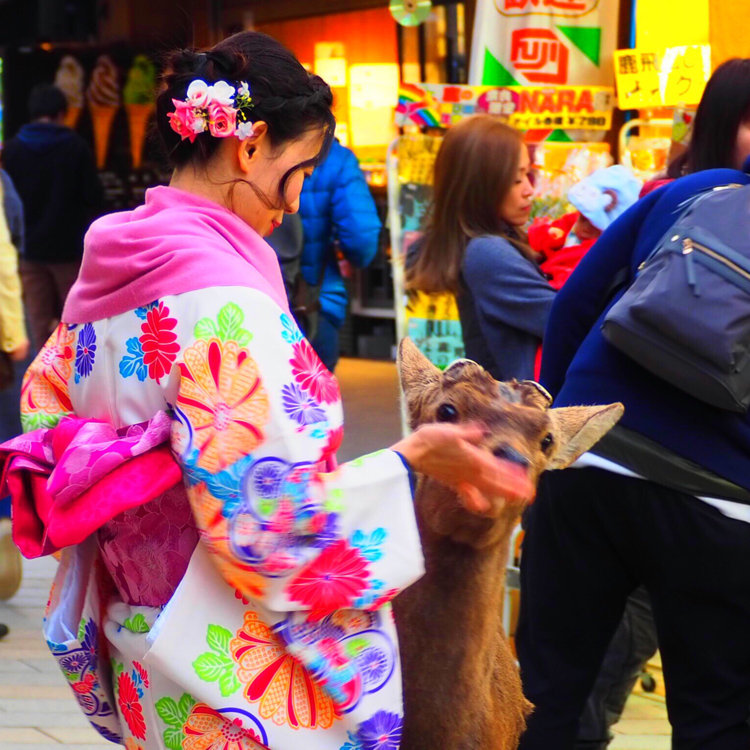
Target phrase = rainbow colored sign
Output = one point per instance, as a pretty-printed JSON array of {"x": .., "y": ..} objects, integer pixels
[{"x": 440, "y": 105}]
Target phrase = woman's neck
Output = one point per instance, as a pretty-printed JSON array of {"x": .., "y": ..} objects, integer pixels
[{"x": 200, "y": 183}]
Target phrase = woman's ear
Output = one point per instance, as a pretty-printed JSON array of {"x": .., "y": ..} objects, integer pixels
[{"x": 248, "y": 148}]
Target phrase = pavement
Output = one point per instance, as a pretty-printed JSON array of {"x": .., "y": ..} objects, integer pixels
[{"x": 37, "y": 709}]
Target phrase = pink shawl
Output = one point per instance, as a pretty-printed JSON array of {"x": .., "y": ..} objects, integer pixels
[{"x": 176, "y": 242}]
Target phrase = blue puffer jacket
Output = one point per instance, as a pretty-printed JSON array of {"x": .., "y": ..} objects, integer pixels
[{"x": 336, "y": 203}]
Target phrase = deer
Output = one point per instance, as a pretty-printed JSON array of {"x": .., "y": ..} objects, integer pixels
[{"x": 462, "y": 688}]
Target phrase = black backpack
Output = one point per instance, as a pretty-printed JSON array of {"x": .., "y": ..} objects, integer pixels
[{"x": 686, "y": 315}]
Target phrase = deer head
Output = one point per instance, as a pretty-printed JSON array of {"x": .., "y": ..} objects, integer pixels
[{"x": 520, "y": 427}]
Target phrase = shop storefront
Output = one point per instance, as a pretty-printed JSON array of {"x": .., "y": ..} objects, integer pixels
[{"x": 548, "y": 66}]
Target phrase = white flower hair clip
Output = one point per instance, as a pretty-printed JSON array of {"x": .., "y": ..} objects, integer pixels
[{"x": 219, "y": 108}]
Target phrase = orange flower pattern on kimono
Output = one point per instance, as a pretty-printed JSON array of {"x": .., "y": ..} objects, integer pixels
[
  {"x": 44, "y": 392},
  {"x": 206, "y": 729},
  {"x": 286, "y": 692},
  {"x": 222, "y": 396}
]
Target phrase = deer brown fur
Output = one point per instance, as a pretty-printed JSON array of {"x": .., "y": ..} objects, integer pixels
[{"x": 461, "y": 684}]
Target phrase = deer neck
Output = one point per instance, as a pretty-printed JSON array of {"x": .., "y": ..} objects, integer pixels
[{"x": 465, "y": 561}]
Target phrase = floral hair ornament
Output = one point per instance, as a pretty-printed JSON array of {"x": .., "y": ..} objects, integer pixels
[{"x": 219, "y": 108}]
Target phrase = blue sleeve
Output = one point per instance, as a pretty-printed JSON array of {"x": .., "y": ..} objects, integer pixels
[
  {"x": 355, "y": 219},
  {"x": 13, "y": 207},
  {"x": 583, "y": 297},
  {"x": 507, "y": 287}
]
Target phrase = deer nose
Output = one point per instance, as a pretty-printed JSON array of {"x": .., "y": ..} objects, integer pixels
[{"x": 511, "y": 454}]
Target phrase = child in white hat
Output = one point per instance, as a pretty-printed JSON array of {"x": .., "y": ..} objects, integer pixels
[{"x": 600, "y": 198}]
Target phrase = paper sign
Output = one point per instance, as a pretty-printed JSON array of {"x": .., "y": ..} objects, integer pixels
[{"x": 676, "y": 76}]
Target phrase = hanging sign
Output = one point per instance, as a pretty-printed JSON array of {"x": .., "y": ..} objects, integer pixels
[
  {"x": 537, "y": 42},
  {"x": 523, "y": 107}
]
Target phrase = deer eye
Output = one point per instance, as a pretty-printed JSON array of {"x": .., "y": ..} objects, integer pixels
[
  {"x": 547, "y": 442},
  {"x": 447, "y": 413}
]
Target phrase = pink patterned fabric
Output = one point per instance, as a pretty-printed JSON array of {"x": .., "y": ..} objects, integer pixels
[
  {"x": 66, "y": 482},
  {"x": 177, "y": 242},
  {"x": 147, "y": 548}
]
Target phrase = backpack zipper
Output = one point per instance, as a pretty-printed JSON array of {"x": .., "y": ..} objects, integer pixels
[{"x": 688, "y": 246}]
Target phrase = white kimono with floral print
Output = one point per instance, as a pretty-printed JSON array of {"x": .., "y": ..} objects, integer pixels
[{"x": 280, "y": 634}]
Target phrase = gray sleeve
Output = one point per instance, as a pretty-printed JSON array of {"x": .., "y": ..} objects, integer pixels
[
  {"x": 506, "y": 286},
  {"x": 13, "y": 211}
]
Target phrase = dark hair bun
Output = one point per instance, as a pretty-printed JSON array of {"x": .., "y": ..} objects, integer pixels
[{"x": 285, "y": 96}]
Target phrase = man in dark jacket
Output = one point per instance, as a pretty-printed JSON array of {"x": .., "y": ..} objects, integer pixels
[
  {"x": 663, "y": 501},
  {"x": 54, "y": 172},
  {"x": 336, "y": 206}
]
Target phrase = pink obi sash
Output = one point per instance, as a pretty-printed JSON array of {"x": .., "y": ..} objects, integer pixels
[{"x": 65, "y": 483}]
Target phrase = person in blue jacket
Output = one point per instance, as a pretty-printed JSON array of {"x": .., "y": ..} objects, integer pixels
[
  {"x": 663, "y": 501},
  {"x": 336, "y": 208}
]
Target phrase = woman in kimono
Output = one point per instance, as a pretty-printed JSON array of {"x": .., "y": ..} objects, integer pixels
[{"x": 276, "y": 630}]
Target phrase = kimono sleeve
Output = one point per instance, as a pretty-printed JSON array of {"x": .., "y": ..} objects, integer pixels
[
  {"x": 45, "y": 396},
  {"x": 257, "y": 422}
]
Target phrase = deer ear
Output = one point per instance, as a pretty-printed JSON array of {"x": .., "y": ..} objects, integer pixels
[
  {"x": 416, "y": 373},
  {"x": 577, "y": 428},
  {"x": 533, "y": 394}
]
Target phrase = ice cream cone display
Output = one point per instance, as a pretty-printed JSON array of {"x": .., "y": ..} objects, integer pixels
[
  {"x": 138, "y": 96},
  {"x": 138, "y": 116},
  {"x": 72, "y": 116},
  {"x": 103, "y": 96},
  {"x": 69, "y": 79},
  {"x": 102, "y": 117}
]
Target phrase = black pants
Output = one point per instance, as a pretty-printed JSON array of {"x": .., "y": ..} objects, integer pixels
[{"x": 592, "y": 537}]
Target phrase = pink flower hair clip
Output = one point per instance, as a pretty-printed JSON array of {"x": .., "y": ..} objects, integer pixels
[{"x": 219, "y": 108}]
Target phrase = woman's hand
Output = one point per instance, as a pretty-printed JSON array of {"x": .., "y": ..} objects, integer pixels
[
  {"x": 20, "y": 353},
  {"x": 449, "y": 453}
]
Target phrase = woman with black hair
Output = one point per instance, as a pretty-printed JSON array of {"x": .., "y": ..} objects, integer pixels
[
  {"x": 276, "y": 631},
  {"x": 721, "y": 129}
]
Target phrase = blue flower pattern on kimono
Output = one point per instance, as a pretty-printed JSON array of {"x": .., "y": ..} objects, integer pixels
[
  {"x": 301, "y": 406},
  {"x": 347, "y": 652},
  {"x": 132, "y": 363},
  {"x": 85, "y": 352},
  {"x": 277, "y": 518},
  {"x": 79, "y": 665}
]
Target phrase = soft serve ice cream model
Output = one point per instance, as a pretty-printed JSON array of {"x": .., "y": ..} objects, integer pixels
[
  {"x": 69, "y": 79},
  {"x": 103, "y": 96},
  {"x": 138, "y": 96}
]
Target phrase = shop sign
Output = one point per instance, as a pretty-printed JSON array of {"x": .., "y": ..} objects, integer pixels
[
  {"x": 523, "y": 107},
  {"x": 542, "y": 42},
  {"x": 675, "y": 76},
  {"x": 564, "y": 8}
]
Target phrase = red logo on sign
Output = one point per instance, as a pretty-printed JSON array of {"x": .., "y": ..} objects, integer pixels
[
  {"x": 545, "y": 7},
  {"x": 539, "y": 55}
]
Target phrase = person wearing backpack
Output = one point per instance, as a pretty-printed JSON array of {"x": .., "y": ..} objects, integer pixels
[
  {"x": 663, "y": 502},
  {"x": 338, "y": 214}
]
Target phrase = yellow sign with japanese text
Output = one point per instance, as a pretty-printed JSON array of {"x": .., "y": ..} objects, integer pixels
[{"x": 675, "y": 76}]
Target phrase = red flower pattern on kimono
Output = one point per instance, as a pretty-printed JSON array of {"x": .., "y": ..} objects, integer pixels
[
  {"x": 130, "y": 705},
  {"x": 335, "y": 437},
  {"x": 312, "y": 374},
  {"x": 333, "y": 580},
  {"x": 159, "y": 342}
]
